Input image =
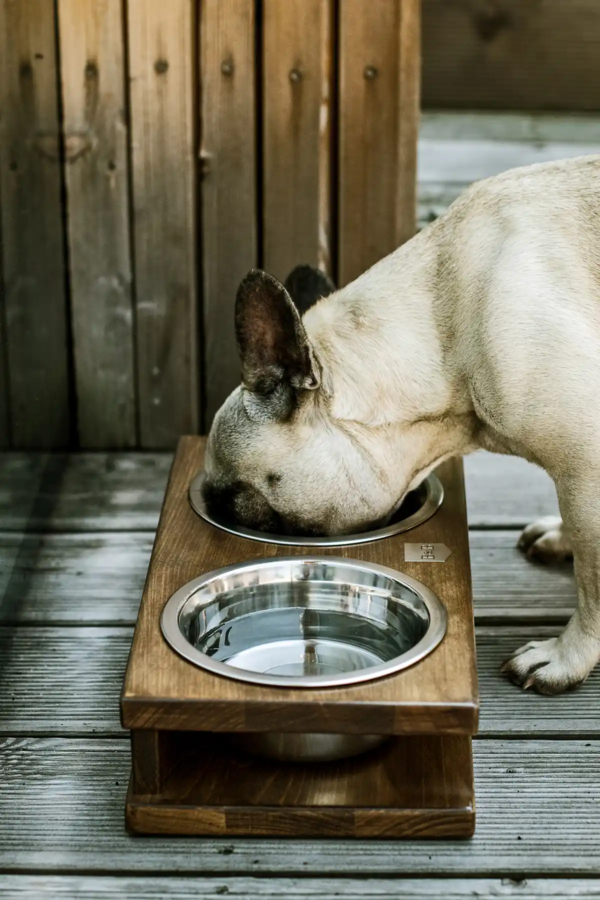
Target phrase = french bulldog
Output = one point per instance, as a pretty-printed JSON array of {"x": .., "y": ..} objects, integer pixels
[{"x": 482, "y": 331}]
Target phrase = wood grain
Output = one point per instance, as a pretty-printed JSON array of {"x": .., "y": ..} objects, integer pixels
[
  {"x": 439, "y": 695},
  {"x": 228, "y": 183},
  {"x": 4, "y": 389},
  {"x": 32, "y": 887},
  {"x": 163, "y": 148},
  {"x": 124, "y": 491},
  {"x": 83, "y": 492},
  {"x": 298, "y": 89},
  {"x": 521, "y": 493},
  {"x": 409, "y": 787},
  {"x": 97, "y": 578},
  {"x": 31, "y": 222},
  {"x": 62, "y": 805},
  {"x": 379, "y": 83},
  {"x": 511, "y": 54},
  {"x": 82, "y": 671},
  {"x": 97, "y": 183}
]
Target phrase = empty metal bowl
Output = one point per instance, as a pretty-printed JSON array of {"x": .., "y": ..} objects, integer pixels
[
  {"x": 417, "y": 506},
  {"x": 298, "y": 622}
]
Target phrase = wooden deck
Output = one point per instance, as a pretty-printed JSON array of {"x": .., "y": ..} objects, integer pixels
[{"x": 75, "y": 538}]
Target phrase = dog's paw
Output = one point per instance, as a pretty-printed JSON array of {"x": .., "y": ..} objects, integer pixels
[
  {"x": 548, "y": 667},
  {"x": 546, "y": 541}
]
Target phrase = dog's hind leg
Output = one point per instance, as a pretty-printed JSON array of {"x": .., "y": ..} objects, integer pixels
[
  {"x": 558, "y": 664},
  {"x": 546, "y": 540}
]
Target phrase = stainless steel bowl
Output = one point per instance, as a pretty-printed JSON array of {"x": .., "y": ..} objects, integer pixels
[
  {"x": 304, "y": 622},
  {"x": 418, "y": 506}
]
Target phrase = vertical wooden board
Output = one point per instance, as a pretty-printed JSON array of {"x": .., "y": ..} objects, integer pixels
[
  {"x": 378, "y": 57},
  {"x": 409, "y": 107},
  {"x": 162, "y": 78},
  {"x": 97, "y": 181},
  {"x": 33, "y": 253},
  {"x": 511, "y": 54},
  {"x": 4, "y": 423},
  {"x": 229, "y": 205},
  {"x": 297, "y": 110}
]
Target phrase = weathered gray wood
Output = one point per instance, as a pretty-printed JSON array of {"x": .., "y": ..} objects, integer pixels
[
  {"x": 506, "y": 492},
  {"x": 509, "y": 588},
  {"x": 81, "y": 670},
  {"x": 4, "y": 412},
  {"x": 62, "y": 803},
  {"x": 33, "y": 258},
  {"x": 97, "y": 182},
  {"x": 456, "y": 149},
  {"x": 94, "y": 887},
  {"x": 73, "y": 579},
  {"x": 82, "y": 492},
  {"x": 97, "y": 578},
  {"x": 164, "y": 156},
  {"x": 228, "y": 182},
  {"x": 124, "y": 491}
]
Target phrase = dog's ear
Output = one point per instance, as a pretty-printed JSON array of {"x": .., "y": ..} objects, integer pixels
[
  {"x": 277, "y": 358},
  {"x": 306, "y": 285}
]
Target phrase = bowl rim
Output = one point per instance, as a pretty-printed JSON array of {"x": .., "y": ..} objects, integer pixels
[
  {"x": 433, "y": 500},
  {"x": 436, "y": 630}
]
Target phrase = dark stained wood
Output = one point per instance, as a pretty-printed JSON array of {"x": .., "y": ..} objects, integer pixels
[
  {"x": 228, "y": 182},
  {"x": 511, "y": 54},
  {"x": 147, "y": 776},
  {"x": 62, "y": 811},
  {"x": 298, "y": 94},
  {"x": 97, "y": 182},
  {"x": 162, "y": 72},
  {"x": 164, "y": 691},
  {"x": 31, "y": 222},
  {"x": 378, "y": 108},
  {"x": 32, "y": 887},
  {"x": 409, "y": 787}
]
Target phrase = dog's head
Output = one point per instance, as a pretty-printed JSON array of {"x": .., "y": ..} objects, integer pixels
[{"x": 276, "y": 460}]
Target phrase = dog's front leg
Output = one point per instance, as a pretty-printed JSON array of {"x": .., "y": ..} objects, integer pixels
[{"x": 561, "y": 663}]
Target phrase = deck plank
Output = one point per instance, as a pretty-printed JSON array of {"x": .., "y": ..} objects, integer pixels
[
  {"x": 62, "y": 803},
  {"x": 97, "y": 578},
  {"x": 32, "y": 887},
  {"x": 82, "y": 670},
  {"x": 124, "y": 491}
]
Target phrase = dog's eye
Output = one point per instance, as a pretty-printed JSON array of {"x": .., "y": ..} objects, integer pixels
[{"x": 273, "y": 478}]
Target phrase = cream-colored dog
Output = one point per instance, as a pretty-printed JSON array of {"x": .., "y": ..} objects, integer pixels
[{"x": 482, "y": 331}]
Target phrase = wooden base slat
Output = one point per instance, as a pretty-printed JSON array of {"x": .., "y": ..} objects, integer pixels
[{"x": 409, "y": 787}]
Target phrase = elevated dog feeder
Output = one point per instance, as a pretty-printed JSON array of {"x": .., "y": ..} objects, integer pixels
[{"x": 324, "y": 689}]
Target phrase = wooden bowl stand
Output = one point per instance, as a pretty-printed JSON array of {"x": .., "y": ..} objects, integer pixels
[{"x": 189, "y": 778}]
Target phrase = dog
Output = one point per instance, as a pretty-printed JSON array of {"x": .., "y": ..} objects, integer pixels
[{"x": 482, "y": 331}]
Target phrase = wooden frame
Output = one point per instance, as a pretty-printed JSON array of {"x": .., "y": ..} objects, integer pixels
[{"x": 178, "y": 713}]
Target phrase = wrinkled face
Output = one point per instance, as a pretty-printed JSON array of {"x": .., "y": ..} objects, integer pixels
[
  {"x": 275, "y": 460},
  {"x": 299, "y": 477}
]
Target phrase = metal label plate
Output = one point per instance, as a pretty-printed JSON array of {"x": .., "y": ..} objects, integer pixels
[{"x": 426, "y": 553}]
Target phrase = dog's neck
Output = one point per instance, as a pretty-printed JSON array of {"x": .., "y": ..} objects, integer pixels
[
  {"x": 387, "y": 341},
  {"x": 387, "y": 346}
]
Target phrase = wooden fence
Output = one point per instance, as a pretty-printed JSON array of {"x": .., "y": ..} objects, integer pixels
[{"x": 151, "y": 152}]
